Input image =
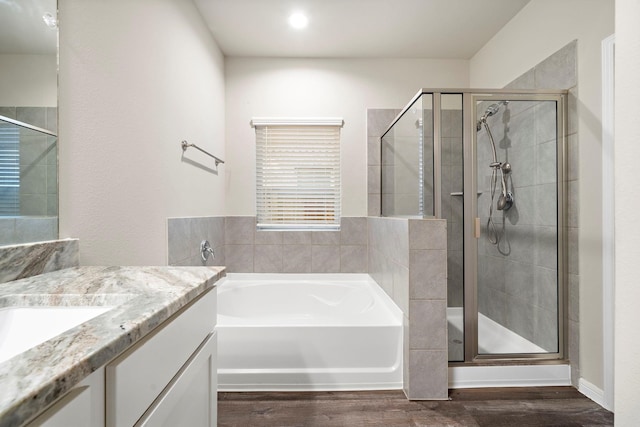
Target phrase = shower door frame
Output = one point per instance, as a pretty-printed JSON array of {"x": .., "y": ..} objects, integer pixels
[
  {"x": 470, "y": 99},
  {"x": 470, "y": 213}
]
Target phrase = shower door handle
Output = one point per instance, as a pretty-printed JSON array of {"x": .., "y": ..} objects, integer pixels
[{"x": 476, "y": 228}]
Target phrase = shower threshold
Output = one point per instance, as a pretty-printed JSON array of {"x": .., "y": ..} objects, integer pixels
[{"x": 493, "y": 338}]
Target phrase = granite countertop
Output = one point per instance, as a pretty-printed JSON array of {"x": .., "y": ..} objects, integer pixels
[{"x": 142, "y": 297}]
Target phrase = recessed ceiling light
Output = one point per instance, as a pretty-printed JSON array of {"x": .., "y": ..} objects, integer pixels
[
  {"x": 50, "y": 20},
  {"x": 298, "y": 20}
]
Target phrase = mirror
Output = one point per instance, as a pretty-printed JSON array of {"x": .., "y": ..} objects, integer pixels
[{"x": 28, "y": 121}]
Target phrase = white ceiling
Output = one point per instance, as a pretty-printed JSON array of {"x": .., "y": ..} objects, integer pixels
[{"x": 357, "y": 28}]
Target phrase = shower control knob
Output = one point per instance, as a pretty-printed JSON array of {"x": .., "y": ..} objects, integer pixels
[{"x": 206, "y": 250}]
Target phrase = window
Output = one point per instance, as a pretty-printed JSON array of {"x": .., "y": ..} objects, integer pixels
[
  {"x": 9, "y": 170},
  {"x": 298, "y": 173}
]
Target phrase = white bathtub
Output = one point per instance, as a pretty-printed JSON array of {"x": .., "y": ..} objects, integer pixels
[{"x": 307, "y": 332}]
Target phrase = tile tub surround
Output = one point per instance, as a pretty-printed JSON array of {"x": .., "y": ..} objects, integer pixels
[
  {"x": 144, "y": 297},
  {"x": 26, "y": 260},
  {"x": 248, "y": 250},
  {"x": 406, "y": 257},
  {"x": 184, "y": 236}
]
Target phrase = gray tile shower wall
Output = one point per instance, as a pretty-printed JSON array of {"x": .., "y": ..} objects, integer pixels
[
  {"x": 451, "y": 206},
  {"x": 26, "y": 260},
  {"x": 522, "y": 285},
  {"x": 377, "y": 122},
  {"x": 184, "y": 236}
]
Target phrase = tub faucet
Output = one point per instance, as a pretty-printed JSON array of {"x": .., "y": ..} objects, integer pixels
[{"x": 206, "y": 250}]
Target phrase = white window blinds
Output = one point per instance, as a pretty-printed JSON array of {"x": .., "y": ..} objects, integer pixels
[
  {"x": 298, "y": 173},
  {"x": 9, "y": 170}
]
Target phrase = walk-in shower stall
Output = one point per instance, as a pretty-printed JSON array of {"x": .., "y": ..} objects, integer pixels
[{"x": 490, "y": 162}]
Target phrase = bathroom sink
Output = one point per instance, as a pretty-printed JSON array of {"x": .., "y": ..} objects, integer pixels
[{"x": 24, "y": 327}]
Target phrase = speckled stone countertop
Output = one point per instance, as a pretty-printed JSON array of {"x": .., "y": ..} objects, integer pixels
[{"x": 142, "y": 297}]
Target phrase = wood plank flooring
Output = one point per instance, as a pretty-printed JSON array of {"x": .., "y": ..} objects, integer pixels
[{"x": 496, "y": 407}]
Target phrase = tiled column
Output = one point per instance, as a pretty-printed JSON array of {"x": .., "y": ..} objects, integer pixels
[
  {"x": 408, "y": 259},
  {"x": 426, "y": 356}
]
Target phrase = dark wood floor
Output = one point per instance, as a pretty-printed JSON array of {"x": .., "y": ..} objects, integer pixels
[{"x": 497, "y": 407}]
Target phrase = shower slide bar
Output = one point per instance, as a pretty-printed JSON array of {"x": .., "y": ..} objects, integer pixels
[{"x": 186, "y": 145}]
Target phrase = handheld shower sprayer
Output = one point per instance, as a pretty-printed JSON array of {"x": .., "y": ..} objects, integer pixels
[{"x": 505, "y": 200}]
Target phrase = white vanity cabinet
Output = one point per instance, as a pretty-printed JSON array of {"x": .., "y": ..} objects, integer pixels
[
  {"x": 170, "y": 377},
  {"x": 190, "y": 398},
  {"x": 83, "y": 405}
]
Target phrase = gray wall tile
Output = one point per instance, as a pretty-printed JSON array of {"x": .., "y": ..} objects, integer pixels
[
  {"x": 428, "y": 371},
  {"x": 239, "y": 230},
  {"x": 325, "y": 238},
  {"x": 428, "y": 274},
  {"x": 36, "y": 116},
  {"x": 9, "y": 112},
  {"x": 184, "y": 236},
  {"x": 400, "y": 294},
  {"x": 353, "y": 231},
  {"x": 267, "y": 259},
  {"x": 296, "y": 259},
  {"x": 378, "y": 120},
  {"x": 178, "y": 235},
  {"x": 353, "y": 259},
  {"x": 558, "y": 71},
  {"x": 427, "y": 234},
  {"x": 268, "y": 237},
  {"x": 428, "y": 324},
  {"x": 239, "y": 258},
  {"x": 325, "y": 259},
  {"x": 296, "y": 237}
]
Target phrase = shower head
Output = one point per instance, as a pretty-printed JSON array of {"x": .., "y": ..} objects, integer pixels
[{"x": 491, "y": 110}]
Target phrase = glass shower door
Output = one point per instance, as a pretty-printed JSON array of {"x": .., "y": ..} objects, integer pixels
[{"x": 517, "y": 178}]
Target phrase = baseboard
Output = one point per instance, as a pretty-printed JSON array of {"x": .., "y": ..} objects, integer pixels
[
  {"x": 592, "y": 392},
  {"x": 509, "y": 376}
]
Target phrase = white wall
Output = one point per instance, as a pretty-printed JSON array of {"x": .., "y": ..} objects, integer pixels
[
  {"x": 627, "y": 194},
  {"x": 28, "y": 80},
  {"x": 136, "y": 78},
  {"x": 540, "y": 29},
  {"x": 320, "y": 87}
]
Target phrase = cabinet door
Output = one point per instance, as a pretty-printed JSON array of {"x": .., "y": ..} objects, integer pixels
[
  {"x": 191, "y": 398},
  {"x": 141, "y": 373},
  {"x": 82, "y": 406}
]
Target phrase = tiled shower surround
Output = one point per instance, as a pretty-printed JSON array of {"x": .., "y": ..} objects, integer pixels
[
  {"x": 556, "y": 72},
  {"x": 559, "y": 71},
  {"x": 406, "y": 257}
]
